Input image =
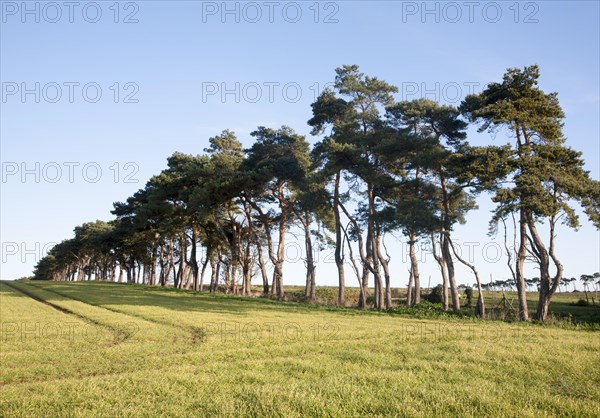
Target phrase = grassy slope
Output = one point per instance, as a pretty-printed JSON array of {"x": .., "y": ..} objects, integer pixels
[{"x": 138, "y": 351}]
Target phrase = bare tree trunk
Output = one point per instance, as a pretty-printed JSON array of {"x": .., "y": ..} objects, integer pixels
[
  {"x": 278, "y": 270},
  {"x": 162, "y": 262},
  {"x": 172, "y": 268},
  {"x": 409, "y": 289},
  {"x": 373, "y": 249},
  {"x": 186, "y": 276},
  {"x": 132, "y": 270},
  {"x": 179, "y": 275},
  {"x": 339, "y": 261},
  {"x": 274, "y": 284},
  {"x": 362, "y": 296},
  {"x": 310, "y": 268},
  {"x": 365, "y": 260},
  {"x": 215, "y": 269},
  {"x": 520, "y": 267},
  {"x": 153, "y": 267},
  {"x": 414, "y": 268},
  {"x": 80, "y": 273},
  {"x": 442, "y": 265},
  {"x": 194, "y": 257},
  {"x": 548, "y": 285},
  {"x": 228, "y": 267},
  {"x": 233, "y": 289},
  {"x": 309, "y": 289},
  {"x": 263, "y": 267},
  {"x": 450, "y": 266},
  {"x": 362, "y": 303},
  {"x": 247, "y": 271},
  {"x": 272, "y": 256},
  {"x": 385, "y": 263},
  {"x": 369, "y": 268},
  {"x": 480, "y": 303}
]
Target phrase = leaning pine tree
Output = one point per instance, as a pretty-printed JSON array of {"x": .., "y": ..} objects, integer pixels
[{"x": 545, "y": 176}]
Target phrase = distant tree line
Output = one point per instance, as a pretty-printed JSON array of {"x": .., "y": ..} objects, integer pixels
[
  {"x": 586, "y": 280},
  {"x": 380, "y": 167}
]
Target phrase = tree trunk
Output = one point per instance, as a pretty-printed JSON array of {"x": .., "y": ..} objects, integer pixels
[
  {"x": 388, "y": 288},
  {"x": 227, "y": 266},
  {"x": 80, "y": 273},
  {"x": 480, "y": 311},
  {"x": 373, "y": 248},
  {"x": 310, "y": 266},
  {"x": 364, "y": 294},
  {"x": 451, "y": 278},
  {"x": 153, "y": 267},
  {"x": 442, "y": 265},
  {"x": 414, "y": 268},
  {"x": 365, "y": 259},
  {"x": 339, "y": 261},
  {"x": 186, "y": 276},
  {"x": 409, "y": 289},
  {"x": 215, "y": 270},
  {"x": 247, "y": 271},
  {"x": 194, "y": 258},
  {"x": 263, "y": 267},
  {"x": 548, "y": 286},
  {"x": 520, "y": 268},
  {"x": 278, "y": 271}
]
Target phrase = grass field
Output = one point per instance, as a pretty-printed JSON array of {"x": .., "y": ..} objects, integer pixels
[
  {"x": 564, "y": 306},
  {"x": 98, "y": 349}
]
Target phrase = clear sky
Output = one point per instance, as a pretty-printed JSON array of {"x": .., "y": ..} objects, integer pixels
[{"x": 96, "y": 96}]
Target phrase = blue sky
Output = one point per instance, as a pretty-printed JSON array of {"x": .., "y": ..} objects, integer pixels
[{"x": 169, "y": 62}]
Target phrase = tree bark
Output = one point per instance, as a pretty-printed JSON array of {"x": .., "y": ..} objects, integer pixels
[
  {"x": 339, "y": 261},
  {"x": 365, "y": 261},
  {"x": 520, "y": 267},
  {"x": 409, "y": 289},
  {"x": 442, "y": 265},
  {"x": 386, "y": 271},
  {"x": 451, "y": 278},
  {"x": 362, "y": 296},
  {"x": 263, "y": 267},
  {"x": 247, "y": 270},
  {"x": 548, "y": 285},
  {"x": 480, "y": 302},
  {"x": 194, "y": 258},
  {"x": 414, "y": 268},
  {"x": 373, "y": 248}
]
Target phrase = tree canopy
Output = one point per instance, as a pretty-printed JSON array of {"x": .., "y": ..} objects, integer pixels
[{"x": 379, "y": 167}]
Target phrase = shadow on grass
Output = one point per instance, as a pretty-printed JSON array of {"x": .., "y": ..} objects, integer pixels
[
  {"x": 107, "y": 293},
  {"x": 181, "y": 300}
]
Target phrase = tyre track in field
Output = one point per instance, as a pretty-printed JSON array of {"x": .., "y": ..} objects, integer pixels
[
  {"x": 217, "y": 363},
  {"x": 197, "y": 335},
  {"x": 119, "y": 334}
]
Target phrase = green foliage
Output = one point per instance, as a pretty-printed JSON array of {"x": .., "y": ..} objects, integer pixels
[
  {"x": 436, "y": 294},
  {"x": 546, "y": 174},
  {"x": 381, "y": 167},
  {"x": 469, "y": 295}
]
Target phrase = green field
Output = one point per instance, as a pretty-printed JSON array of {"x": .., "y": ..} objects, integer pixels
[{"x": 98, "y": 349}]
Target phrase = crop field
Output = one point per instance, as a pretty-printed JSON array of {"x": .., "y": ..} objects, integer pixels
[{"x": 99, "y": 349}]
